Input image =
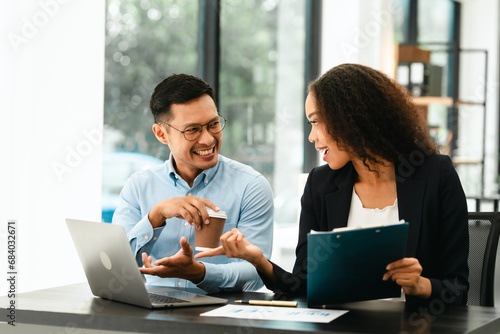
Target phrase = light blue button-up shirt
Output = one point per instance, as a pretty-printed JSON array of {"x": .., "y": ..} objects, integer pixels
[{"x": 239, "y": 190}]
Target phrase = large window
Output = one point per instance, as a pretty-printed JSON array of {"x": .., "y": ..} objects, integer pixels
[
  {"x": 261, "y": 92},
  {"x": 261, "y": 86},
  {"x": 145, "y": 42}
]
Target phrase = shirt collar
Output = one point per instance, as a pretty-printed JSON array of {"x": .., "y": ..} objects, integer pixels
[{"x": 171, "y": 170}]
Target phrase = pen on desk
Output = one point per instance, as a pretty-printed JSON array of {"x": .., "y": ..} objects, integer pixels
[{"x": 268, "y": 302}]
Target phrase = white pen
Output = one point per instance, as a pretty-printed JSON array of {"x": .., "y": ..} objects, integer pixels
[{"x": 268, "y": 302}]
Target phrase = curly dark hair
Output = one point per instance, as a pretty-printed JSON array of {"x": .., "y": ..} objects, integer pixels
[{"x": 370, "y": 115}]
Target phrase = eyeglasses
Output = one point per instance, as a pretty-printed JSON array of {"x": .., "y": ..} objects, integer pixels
[{"x": 193, "y": 131}]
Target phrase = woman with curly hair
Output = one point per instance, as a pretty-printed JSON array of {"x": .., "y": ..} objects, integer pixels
[{"x": 381, "y": 166}]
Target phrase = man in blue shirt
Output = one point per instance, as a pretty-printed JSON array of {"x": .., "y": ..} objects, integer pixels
[{"x": 160, "y": 207}]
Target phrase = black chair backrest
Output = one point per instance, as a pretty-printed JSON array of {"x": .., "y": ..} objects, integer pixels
[{"x": 484, "y": 231}]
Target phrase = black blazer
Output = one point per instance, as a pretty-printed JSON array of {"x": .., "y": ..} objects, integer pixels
[{"x": 430, "y": 198}]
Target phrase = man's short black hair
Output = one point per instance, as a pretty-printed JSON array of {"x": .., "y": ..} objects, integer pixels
[{"x": 177, "y": 89}]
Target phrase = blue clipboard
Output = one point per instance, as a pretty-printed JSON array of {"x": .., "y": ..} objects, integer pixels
[{"x": 348, "y": 266}]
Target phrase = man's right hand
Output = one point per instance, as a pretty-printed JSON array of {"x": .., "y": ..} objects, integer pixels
[{"x": 191, "y": 208}]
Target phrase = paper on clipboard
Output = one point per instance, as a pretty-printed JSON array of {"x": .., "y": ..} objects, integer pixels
[{"x": 349, "y": 228}]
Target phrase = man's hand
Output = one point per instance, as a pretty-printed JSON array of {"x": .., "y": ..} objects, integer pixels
[
  {"x": 406, "y": 273},
  {"x": 181, "y": 265},
  {"x": 191, "y": 208}
]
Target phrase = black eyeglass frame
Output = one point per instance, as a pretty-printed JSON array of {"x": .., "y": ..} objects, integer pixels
[{"x": 220, "y": 117}]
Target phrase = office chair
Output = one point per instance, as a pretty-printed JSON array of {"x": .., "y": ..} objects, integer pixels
[{"x": 484, "y": 231}]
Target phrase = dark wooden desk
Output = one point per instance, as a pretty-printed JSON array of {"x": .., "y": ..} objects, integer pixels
[{"x": 73, "y": 309}]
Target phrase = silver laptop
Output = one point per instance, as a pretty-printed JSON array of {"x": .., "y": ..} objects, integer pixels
[{"x": 112, "y": 270}]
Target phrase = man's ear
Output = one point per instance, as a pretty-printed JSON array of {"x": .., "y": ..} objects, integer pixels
[{"x": 160, "y": 133}]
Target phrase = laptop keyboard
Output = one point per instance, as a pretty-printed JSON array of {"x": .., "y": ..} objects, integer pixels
[{"x": 161, "y": 299}]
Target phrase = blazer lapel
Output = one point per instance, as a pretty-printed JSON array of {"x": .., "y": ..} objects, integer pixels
[
  {"x": 338, "y": 202},
  {"x": 410, "y": 204}
]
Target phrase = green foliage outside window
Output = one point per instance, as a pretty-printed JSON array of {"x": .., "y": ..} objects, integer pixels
[{"x": 148, "y": 40}]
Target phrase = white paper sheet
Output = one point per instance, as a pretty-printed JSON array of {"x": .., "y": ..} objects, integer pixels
[{"x": 275, "y": 313}]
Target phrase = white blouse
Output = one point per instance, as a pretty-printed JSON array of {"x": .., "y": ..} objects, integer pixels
[{"x": 361, "y": 216}]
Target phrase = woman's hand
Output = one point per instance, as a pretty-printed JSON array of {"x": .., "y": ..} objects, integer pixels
[
  {"x": 234, "y": 245},
  {"x": 406, "y": 273}
]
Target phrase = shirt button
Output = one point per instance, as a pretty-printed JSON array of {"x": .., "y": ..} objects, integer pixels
[
  {"x": 179, "y": 283},
  {"x": 186, "y": 224},
  {"x": 206, "y": 182},
  {"x": 154, "y": 238},
  {"x": 190, "y": 194},
  {"x": 146, "y": 237}
]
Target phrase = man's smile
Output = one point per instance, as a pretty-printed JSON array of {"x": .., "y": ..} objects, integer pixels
[{"x": 205, "y": 152}]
